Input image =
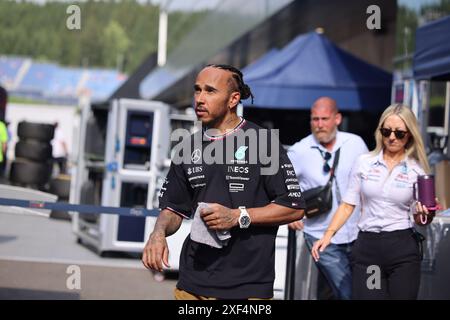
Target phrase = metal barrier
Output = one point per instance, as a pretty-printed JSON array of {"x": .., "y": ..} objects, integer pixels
[
  {"x": 143, "y": 212},
  {"x": 289, "y": 288},
  {"x": 82, "y": 208}
]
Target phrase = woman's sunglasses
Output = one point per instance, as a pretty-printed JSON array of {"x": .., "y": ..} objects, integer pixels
[{"x": 399, "y": 134}]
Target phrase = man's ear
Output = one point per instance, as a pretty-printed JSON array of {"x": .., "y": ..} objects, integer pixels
[
  {"x": 338, "y": 119},
  {"x": 235, "y": 97}
]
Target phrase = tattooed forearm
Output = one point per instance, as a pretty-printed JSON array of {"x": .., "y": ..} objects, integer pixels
[{"x": 167, "y": 223}]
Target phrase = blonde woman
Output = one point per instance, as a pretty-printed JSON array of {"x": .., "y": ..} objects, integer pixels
[{"x": 381, "y": 182}]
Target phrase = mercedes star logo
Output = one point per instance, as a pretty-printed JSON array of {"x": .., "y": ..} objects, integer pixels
[{"x": 196, "y": 155}]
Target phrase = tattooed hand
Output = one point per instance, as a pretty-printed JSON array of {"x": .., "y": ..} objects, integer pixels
[
  {"x": 218, "y": 217},
  {"x": 156, "y": 252}
]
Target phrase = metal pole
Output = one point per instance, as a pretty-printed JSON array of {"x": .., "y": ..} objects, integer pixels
[
  {"x": 290, "y": 266},
  {"x": 447, "y": 120},
  {"x": 162, "y": 37}
]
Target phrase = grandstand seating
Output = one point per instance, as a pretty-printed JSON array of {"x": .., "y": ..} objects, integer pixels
[
  {"x": 51, "y": 83},
  {"x": 38, "y": 78},
  {"x": 64, "y": 82},
  {"x": 102, "y": 83},
  {"x": 9, "y": 67}
]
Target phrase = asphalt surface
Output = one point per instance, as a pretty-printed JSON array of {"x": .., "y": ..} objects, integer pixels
[{"x": 40, "y": 259}]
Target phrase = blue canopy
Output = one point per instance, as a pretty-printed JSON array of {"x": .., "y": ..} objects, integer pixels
[
  {"x": 311, "y": 66},
  {"x": 259, "y": 64},
  {"x": 432, "y": 55}
]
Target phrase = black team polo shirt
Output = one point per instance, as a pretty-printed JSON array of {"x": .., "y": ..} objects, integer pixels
[{"x": 245, "y": 267}]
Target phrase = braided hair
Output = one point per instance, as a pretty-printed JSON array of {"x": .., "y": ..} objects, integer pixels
[{"x": 238, "y": 78}]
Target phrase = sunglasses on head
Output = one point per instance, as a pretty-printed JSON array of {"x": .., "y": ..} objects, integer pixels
[{"x": 399, "y": 134}]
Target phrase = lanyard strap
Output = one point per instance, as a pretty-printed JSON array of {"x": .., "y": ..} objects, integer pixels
[
  {"x": 335, "y": 164},
  {"x": 333, "y": 170}
]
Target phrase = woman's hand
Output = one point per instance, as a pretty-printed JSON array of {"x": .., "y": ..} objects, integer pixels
[
  {"x": 320, "y": 246},
  {"x": 423, "y": 216}
]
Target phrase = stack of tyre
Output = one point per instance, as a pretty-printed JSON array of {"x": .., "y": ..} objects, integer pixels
[
  {"x": 60, "y": 185},
  {"x": 33, "y": 162}
]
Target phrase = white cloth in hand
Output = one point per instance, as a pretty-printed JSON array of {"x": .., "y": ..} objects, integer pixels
[{"x": 202, "y": 234}]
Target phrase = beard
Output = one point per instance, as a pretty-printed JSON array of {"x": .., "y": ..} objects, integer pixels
[{"x": 324, "y": 137}]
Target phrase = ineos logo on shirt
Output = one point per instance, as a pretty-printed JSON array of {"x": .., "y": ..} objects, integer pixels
[
  {"x": 237, "y": 169},
  {"x": 196, "y": 155}
]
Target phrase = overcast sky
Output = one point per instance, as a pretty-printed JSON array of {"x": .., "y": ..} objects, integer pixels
[
  {"x": 416, "y": 4},
  {"x": 190, "y": 5},
  {"x": 173, "y": 4}
]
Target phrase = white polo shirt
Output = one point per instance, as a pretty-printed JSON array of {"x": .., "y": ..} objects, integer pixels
[
  {"x": 386, "y": 199},
  {"x": 308, "y": 164}
]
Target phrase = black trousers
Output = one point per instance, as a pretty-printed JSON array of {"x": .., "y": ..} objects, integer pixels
[{"x": 386, "y": 265}]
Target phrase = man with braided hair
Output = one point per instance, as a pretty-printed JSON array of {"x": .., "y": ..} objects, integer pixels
[{"x": 235, "y": 203}]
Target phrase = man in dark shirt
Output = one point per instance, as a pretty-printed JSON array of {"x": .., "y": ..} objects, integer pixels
[{"x": 248, "y": 195}]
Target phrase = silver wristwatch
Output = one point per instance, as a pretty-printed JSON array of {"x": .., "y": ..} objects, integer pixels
[{"x": 244, "y": 218}]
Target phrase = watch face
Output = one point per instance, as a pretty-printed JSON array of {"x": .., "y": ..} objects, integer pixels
[{"x": 245, "y": 221}]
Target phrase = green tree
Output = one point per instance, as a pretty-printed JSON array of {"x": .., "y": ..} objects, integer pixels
[
  {"x": 110, "y": 31},
  {"x": 407, "y": 21},
  {"x": 116, "y": 44}
]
